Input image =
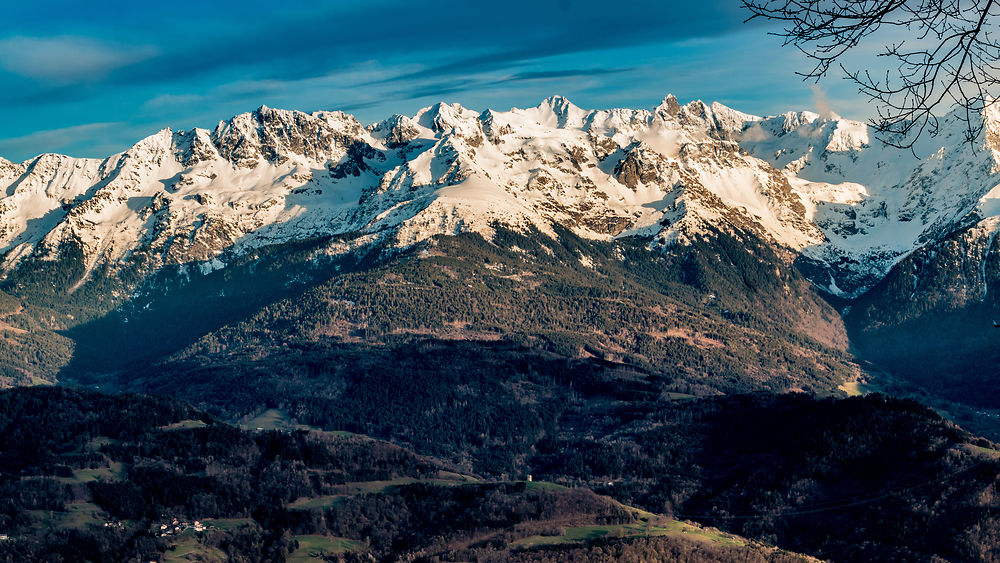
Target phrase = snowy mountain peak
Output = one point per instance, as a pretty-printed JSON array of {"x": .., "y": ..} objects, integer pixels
[
  {"x": 276, "y": 136},
  {"x": 716, "y": 119},
  {"x": 787, "y": 122},
  {"x": 9, "y": 171},
  {"x": 818, "y": 187},
  {"x": 153, "y": 145},
  {"x": 991, "y": 127},
  {"x": 443, "y": 117},
  {"x": 565, "y": 112},
  {"x": 396, "y": 130},
  {"x": 668, "y": 107},
  {"x": 848, "y": 135}
]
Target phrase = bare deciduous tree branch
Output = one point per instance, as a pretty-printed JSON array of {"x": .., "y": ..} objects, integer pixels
[{"x": 949, "y": 57}]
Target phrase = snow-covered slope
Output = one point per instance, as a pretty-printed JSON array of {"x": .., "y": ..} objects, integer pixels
[
  {"x": 875, "y": 204},
  {"x": 849, "y": 207}
]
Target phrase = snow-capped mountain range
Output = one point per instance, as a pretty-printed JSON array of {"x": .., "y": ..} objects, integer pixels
[{"x": 843, "y": 204}]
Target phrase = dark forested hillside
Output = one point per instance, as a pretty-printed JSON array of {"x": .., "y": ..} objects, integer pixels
[
  {"x": 811, "y": 475},
  {"x": 725, "y": 316},
  {"x": 91, "y": 477},
  {"x": 418, "y": 391},
  {"x": 932, "y": 325},
  {"x": 472, "y": 349},
  {"x": 87, "y": 476}
]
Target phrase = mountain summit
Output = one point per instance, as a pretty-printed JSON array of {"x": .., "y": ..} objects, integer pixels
[{"x": 847, "y": 208}]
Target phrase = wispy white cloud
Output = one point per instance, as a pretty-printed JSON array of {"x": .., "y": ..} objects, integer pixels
[
  {"x": 66, "y": 59},
  {"x": 167, "y": 100},
  {"x": 754, "y": 134},
  {"x": 822, "y": 103}
]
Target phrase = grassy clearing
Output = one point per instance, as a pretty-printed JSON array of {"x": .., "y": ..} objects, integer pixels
[
  {"x": 673, "y": 528},
  {"x": 989, "y": 452},
  {"x": 112, "y": 473},
  {"x": 184, "y": 425},
  {"x": 580, "y": 534},
  {"x": 317, "y": 502},
  {"x": 189, "y": 549},
  {"x": 543, "y": 486},
  {"x": 77, "y": 515},
  {"x": 368, "y": 487},
  {"x": 277, "y": 419},
  {"x": 452, "y": 476},
  {"x": 313, "y": 547},
  {"x": 707, "y": 534},
  {"x": 364, "y": 487},
  {"x": 271, "y": 419},
  {"x": 227, "y": 523},
  {"x": 372, "y": 487},
  {"x": 347, "y": 490},
  {"x": 855, "y": 388}
]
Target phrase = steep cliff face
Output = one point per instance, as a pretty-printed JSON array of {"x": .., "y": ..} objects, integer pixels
[{"x": 959, "y": 271}]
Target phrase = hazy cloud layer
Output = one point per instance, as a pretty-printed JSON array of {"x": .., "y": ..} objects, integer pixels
[
  {"x": 66, "y": 59},
  {"x": 440, "y": 35}
]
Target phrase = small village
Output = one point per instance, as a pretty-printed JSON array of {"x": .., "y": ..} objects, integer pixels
[{"x": 177, "y": 527}]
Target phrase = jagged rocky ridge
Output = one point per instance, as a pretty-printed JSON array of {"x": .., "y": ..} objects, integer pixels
[{"x": 846, "y": 208}]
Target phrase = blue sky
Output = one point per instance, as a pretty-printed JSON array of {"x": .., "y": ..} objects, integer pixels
[{"x": 90, "y": 79}]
